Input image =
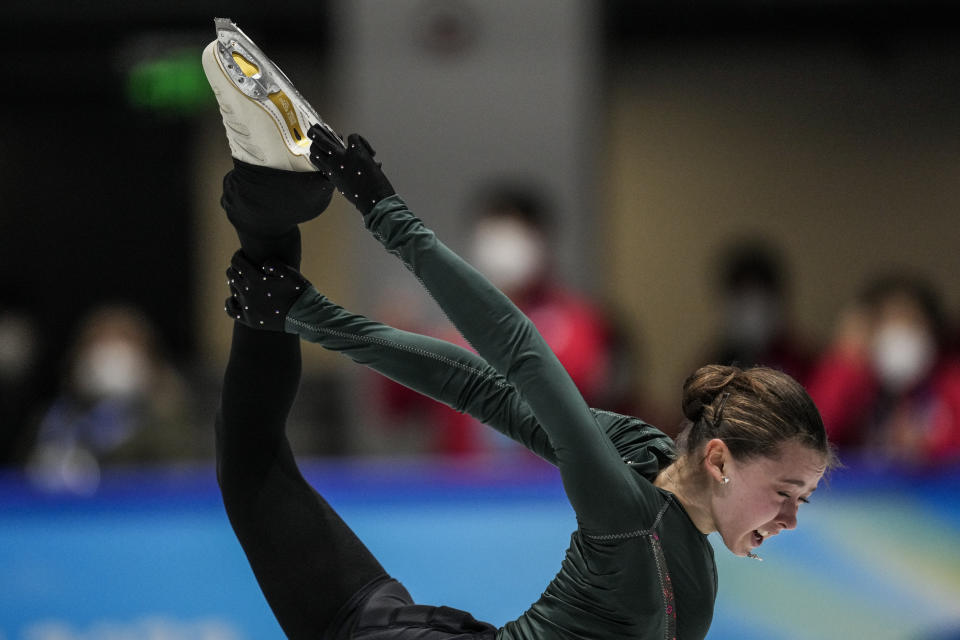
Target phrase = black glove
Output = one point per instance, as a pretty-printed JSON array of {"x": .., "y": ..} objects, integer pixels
[
  {"x": 262, "y": 294},
  {"x": 352, "y": 169}
]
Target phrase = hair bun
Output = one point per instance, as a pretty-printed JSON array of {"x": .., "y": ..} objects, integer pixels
[
  {"x": 753, "y": 411},
  {"x": 702, "y": 388}
]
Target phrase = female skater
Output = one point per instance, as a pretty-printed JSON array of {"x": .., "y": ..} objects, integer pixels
[{"x": 639, "y": 564}]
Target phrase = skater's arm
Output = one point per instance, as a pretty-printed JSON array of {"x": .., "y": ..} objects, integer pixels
[
  {"x": 460, "y": 379},
  {"x": 601, "y": 488},
  {"x": 276, "y": 297},
  {"x": 435, "y": 368},
  {"x": 438, "y": 369}
]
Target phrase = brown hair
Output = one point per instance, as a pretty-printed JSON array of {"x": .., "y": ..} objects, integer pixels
[{"x": 752, "y": 410}]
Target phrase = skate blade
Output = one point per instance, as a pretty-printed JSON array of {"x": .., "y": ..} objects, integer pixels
[{"x": 258, "y": 78}]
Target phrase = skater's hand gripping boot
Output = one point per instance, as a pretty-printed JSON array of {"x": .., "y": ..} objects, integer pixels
[
  {"x": 262, "y": 295},
  {"x": 351, "y": 169}
]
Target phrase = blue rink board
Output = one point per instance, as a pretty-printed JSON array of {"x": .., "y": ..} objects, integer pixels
[{"x": 151, "y": 555}]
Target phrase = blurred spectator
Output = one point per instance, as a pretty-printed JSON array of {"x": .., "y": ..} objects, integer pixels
[
  {"x": 755, "y": 326},
  {"x": 510, "y": 243},
  {"x": 21, "y": 389},
  {"x": 120, "y": 401},
  {"x": 886, "y": 386}
]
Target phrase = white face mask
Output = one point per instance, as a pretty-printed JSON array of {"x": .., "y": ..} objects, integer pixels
[
  {"x": 114, "y": 369},
  {"x": 509, "y": 253},
  {"x": 902, "y": 355}
]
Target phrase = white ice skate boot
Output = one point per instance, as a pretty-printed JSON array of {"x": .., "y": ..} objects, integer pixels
[{"x": 265, "y": 117}]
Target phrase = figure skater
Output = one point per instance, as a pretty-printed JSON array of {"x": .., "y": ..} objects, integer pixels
[{"x": 639, "y": 564}]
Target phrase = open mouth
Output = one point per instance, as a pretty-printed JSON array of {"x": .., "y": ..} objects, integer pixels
[{"x": 757, "y": 538}]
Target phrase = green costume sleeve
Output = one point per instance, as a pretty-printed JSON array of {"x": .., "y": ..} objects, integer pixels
[
  {"x": 459, "y": 379},
  {"x": 600, "y": 487},
  {"x": 435, "y": 368}
]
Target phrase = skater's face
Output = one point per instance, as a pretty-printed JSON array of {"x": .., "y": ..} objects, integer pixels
[{"x": 763, "y": 494}]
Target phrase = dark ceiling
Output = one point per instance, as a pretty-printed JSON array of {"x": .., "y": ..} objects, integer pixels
[
  {"x": 50, "y": 48},
  {"x": 60, "y": 25}
]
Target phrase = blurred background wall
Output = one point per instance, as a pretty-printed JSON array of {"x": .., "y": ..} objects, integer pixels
[{"x": 837, "y": 149}]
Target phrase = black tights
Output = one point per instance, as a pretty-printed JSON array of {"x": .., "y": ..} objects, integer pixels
[{"x": 306, "y": 559}]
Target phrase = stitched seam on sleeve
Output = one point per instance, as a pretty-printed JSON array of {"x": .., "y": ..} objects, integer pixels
[
  {"x": 637, "y": 533},
  {"x": 400, "y": 347}
]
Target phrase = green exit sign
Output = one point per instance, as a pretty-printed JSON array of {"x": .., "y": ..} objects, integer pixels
[{"x": 173, "y": 84}]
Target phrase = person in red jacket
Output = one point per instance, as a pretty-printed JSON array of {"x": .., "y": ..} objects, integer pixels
[{"x": 887, "y": 385}]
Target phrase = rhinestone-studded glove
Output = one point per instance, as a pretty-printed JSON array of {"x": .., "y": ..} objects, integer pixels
[
  {"x": 262, "y": 294},
  {"x": 352, "y": 169}
]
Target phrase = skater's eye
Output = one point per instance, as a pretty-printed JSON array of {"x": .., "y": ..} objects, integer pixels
[{"x": 787, "y": 495}]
